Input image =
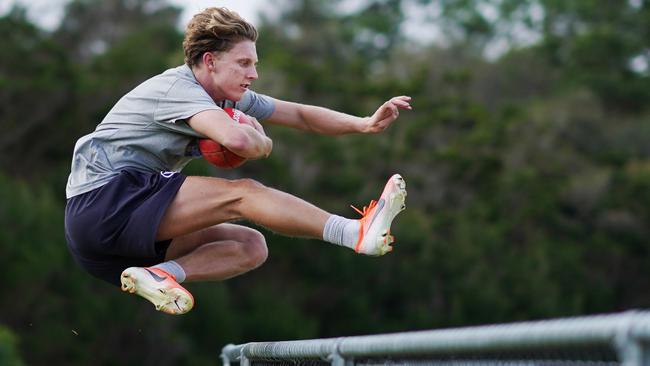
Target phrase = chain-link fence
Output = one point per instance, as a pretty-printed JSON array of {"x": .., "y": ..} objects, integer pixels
[{"x": 615, "y": 339}]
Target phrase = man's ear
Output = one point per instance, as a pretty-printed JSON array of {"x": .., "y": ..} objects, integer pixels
[{"x": 208, "y": 60}]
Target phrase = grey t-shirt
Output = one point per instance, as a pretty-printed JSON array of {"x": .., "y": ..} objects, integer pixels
[{"x": 146, "y": 130}]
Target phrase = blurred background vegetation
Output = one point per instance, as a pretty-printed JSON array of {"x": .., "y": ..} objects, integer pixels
[{"x": 527, "y": 156}]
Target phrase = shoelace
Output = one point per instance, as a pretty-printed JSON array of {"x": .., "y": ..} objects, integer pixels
[{"x": 366, "y": 209}]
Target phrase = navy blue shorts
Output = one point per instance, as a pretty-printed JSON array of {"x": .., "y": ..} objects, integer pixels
[{"x": 114, "y": 227}]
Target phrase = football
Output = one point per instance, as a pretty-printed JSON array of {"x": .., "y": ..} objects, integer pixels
[{"x": 218, "y": 155}]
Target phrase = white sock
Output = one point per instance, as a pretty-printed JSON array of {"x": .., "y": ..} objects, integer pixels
[
  {"x": 341, "y": 231},
  {"x": 173, "y": 269}
]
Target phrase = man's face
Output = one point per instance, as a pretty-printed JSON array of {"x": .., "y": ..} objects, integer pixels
[{"x": 234, "y": 71}]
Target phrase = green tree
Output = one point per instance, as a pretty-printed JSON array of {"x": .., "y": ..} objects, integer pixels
[
  {"x": 37, "y": 94},
  {"x": 598, "y": 44},
  {"x": 90, "y": 27},
  {"x": 8, "y": 348},
  {"x": 527, "y": 174}
]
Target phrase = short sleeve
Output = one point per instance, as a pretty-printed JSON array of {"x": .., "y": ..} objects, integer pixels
[{"x": 257, "y": 105}]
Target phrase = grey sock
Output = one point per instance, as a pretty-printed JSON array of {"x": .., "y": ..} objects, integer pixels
[
  {"x": 341, "y": 231},
  {"x": 173, "y": 269}
]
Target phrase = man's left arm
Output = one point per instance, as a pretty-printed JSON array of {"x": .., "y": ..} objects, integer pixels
[{"x": 329, "y": 122}]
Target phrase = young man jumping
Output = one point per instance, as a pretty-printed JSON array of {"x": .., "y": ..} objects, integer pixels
[{"x": 134, "y": 220}]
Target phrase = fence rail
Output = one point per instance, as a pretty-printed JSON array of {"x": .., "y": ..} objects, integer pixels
[{"x": 613, "y": 339}]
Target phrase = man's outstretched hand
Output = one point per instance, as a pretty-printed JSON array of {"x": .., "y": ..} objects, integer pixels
[{"x": 386, "y": 114}]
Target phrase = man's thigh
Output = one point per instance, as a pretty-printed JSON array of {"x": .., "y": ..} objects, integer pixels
[
  {"x": 200, "y": 203},
  {"x": 222, "y": 232}
]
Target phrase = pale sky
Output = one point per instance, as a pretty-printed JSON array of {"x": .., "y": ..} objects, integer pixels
[
  {"x": 47, "y": 13},
  {"x": 248, "y": 9}
]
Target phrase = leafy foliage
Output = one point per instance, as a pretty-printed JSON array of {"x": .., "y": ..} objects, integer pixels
[
  {"x": 8, "y": 351},
  {"x": 528, "y": 175}
]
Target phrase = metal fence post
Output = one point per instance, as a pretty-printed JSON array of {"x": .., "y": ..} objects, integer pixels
[
  {"x": 336, "y": 360},
  {"x": 244, "y": 361},
  {"x": 335, "y": 357},
  {"x": 631, "y": 353},
  {"x": 630, "y": 349}
]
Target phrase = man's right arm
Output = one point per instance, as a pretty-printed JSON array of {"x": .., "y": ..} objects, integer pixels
[{"x": 242, "y": 139}]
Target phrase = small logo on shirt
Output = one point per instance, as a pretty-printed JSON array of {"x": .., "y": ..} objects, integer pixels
[{"x": 168, "y": 174}]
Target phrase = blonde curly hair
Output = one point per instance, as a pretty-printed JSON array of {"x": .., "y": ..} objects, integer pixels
[{"x": 215, "y": 29}]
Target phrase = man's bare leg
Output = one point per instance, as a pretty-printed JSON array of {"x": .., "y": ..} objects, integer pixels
[
  {"x": 214, "y": 253},
  {"x": 202, "y": 202},
  {"x": 206, "y": 248},
  {"x": 218, "y": 252}
]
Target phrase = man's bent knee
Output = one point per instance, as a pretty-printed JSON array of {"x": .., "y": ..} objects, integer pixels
[{"x": 254, "y": 250}]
